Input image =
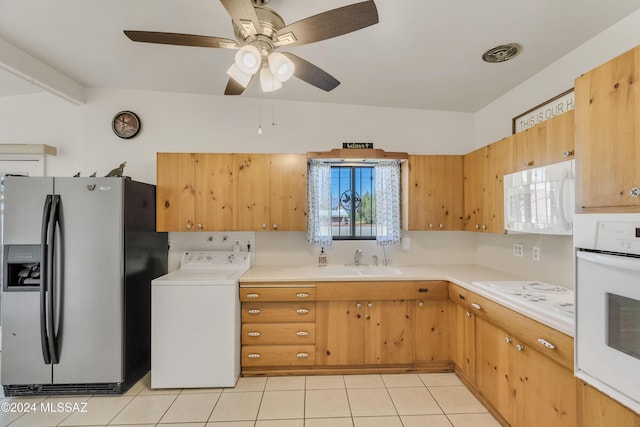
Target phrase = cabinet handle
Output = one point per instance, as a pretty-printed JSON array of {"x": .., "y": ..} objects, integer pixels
[
  {"x": 441, "y": 226},
  {"x": 634, "y": 192},
  {"x": 253, "y": 334},
  {"x": 274, "y": 226},
  {"x": 546, "y": 344},
  {"x": 302, "y": 333},
  {"x": 199, "y": 226},
  {"x": 370, "y": 305},
  {"x": 302, "y": 295},
  {"x": 568, "y": 153},
  {"x": 253, "y": 355},
  {"x": 421, "y": 304},
  {"x": 254, "y": 311},
  {"x": 476, "y": 306},
  {"x": 264, "y": 226},
  {"x": 302, "y": 311},
  {"x": 302, "y": 355},
  {"x": 527, "y": 164},
  {"x": 358, "y": 305},
  {"x": 519, "y": 347},
  {"x": 468, "y": 314},
  {"x": 188, "y": 226},
  {"x": 253, "y": 295}
]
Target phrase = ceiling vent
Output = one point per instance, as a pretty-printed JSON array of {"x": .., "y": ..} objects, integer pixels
[{"x": 502, "y": 53}]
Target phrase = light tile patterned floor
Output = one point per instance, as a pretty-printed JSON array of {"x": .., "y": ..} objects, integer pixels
[{"x": 404, "y": 400}]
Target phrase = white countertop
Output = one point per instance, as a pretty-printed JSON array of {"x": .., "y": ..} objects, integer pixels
[{"x": 461, "y": 274}]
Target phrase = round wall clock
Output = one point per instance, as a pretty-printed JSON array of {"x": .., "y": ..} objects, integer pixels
[{"x": 126, "y": 124}]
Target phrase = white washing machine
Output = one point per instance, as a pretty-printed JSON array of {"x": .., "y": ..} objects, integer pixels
[{"x": 195, "y": 321}]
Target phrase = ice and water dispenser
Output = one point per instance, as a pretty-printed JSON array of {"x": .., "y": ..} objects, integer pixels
[{"x": 22, "y": 267}]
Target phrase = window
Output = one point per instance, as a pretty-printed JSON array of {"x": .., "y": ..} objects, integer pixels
[{"x": 353, "y": 202}]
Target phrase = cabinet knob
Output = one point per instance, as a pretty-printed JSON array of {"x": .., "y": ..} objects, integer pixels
[
  {"x": 199, "y": 226},
  {"x": 254, "y": 311},
  {"x": 546, "y": 344},
  {"x": 302, "y": 311},
  {"x": 568, "y": 153},
  {"x": 253, "y": 295},
  {"x": 302, "y": 355},
  {"x": 484, "y": 227},
  {"x": 302, "y": 295},
  {"x": 476, "y": 306},
  {"x": 264, "y": 226},
  {"x": 430, "y": 225},
  {"x": 477, "y": 226},
  {"x": 441, "y": 226},
  {"x": 253, "y": 355},
  {"x": 253, "y": 334},
  {"x": 370, "y": 305},
  {"x": 302, "y": 333},
  {"x": 634, "y": 192},
  {"x": 421, "y": 304},
  {"x": 519, "y": 347},
  {"x": 527, "y": 164},
  {"x": 508, "y": 340},
  {"x": 188, "y": 226},
  {"x": 468, "y": 314},
  {"x": 358, "y": 305},
  {"x": 274, "y": 226}
]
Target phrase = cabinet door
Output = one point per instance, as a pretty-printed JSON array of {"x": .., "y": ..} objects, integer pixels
[
  {"x": 288, "y": 186},
  {"x": 175, "y": 192},
  {"x": 495, "y": 364},
  {"x": 498, "y": 162},
  {"x": 475, "y": 164},
  {"x": 251, "y": 197},
  {"x": 559, "y": 144},
  {"x": 340, "y": 333},
  {"x": 215, "y": 187},
  {"x": 546, "y": 391},
  {"x": 435, "y": 200},
  {"x": 607, "y": 133},
  {"x": 463, "y": 345},
  {"x": 433, "y": 330},
  {"x": 389, "y": 332}
]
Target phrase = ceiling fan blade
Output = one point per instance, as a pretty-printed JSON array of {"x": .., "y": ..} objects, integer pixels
[
  {"x": 243, "y": 15},
  {"x": 305, "y": 70},
  {"x": 180, "y": 39},
  {"x": 329, "y": 24},
  {"x": 234, "y": 88}
]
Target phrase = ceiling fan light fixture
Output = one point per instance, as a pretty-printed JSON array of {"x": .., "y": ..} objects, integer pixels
[
  {"x": 268, "y": 82},
  {"x": 281, "y": 66},
  {"x": 238, "y": 75},
  {"x": 248, "y": 59}
]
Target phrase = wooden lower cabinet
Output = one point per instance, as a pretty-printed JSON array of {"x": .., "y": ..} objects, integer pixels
[
  {"x": 433, "y": 332},
  {"x": 524, "y": 386},
  {"x": 598, "y": 409},
  {"x": 340, "y": 333}
]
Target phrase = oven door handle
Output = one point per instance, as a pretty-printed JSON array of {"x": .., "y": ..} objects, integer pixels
[{"x": 616, "y": 261}]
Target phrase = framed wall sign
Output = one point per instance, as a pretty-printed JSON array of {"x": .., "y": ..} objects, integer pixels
[{"x": 547, "y": 110}]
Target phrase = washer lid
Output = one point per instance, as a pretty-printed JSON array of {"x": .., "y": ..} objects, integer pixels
[{"x": 209, "y": 276}]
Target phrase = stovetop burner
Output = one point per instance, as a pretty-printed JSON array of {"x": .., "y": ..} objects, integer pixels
[
  {"x": 567, "y": 308},
  {"x": 545, "y": 287}
]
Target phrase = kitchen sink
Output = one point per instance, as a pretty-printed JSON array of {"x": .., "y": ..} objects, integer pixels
[{"x": 359, "y": 270}]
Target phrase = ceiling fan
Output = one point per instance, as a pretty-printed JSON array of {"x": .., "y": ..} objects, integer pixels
[{"x": 260, "y": 31}]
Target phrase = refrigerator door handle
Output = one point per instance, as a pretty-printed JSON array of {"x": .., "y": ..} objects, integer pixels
[
  {"x": 44, "y": 339},
  {"x": 51, "y": 280}
]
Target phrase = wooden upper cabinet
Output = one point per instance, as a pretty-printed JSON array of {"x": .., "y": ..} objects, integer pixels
[
  {"x": 475, "y": 167},
  {"x": 435, "y": 193},
  {"x": 231, "y": 192},
  {"x": 607, "y": 138},
  {"x": 175, "y": 192},
  {"x": 560, "y": 138}
]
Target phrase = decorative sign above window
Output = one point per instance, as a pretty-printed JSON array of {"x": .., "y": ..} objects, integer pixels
[
  {"x": 545, "y": 111},
  {"x": 358, "y": 145}
]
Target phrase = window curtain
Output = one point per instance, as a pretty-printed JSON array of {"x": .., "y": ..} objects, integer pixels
[
  {"x": 387, "y": 192},
  {"x": 319, "y": 203}
]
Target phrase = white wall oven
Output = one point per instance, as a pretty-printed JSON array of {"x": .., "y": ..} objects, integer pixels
[{"x": 608, "y": 304}]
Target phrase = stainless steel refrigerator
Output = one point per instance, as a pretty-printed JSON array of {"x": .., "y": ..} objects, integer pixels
[{"x": 79, "y": 257}]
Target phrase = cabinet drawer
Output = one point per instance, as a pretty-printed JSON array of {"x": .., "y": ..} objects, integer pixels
[
  {"x": 376, "y": 291},
  {"x": 278, "y": 333},
  {"x": 278, "y": 355},
  {"x": 278, "y": 312},
  {"x": 256, "y": 293},
  {"x": 548, "y": 341}
]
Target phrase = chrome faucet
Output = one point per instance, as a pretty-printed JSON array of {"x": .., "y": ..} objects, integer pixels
[
  {"x": 357, "y": 256},
  {"x": 375, "y": 260}
]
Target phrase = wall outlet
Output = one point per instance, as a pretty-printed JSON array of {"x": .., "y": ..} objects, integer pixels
[
  {"x": 518, "y": 250},
  {"x": 535, "y": 253}
]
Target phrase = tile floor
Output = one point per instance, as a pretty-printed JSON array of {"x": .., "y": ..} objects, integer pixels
[{"x": 408, "y": 400}]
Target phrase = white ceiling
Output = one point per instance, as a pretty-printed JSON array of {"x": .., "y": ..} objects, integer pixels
[{"x": 422, "y": 54}]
